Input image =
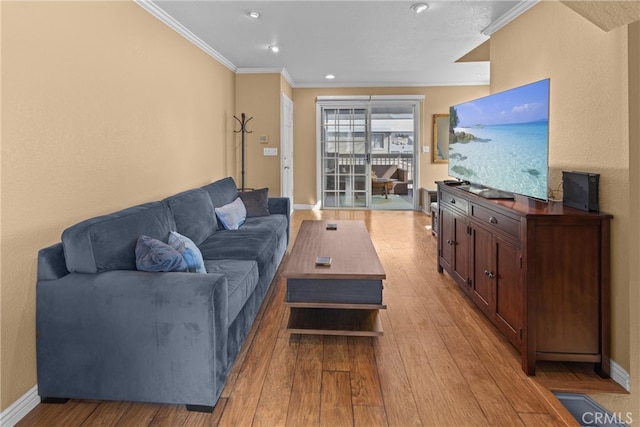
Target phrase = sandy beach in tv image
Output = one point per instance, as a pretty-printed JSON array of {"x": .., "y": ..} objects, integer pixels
[{"x": 501, "y": 141}]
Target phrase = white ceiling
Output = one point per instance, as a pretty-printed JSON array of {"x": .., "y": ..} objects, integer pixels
[{"x": 363, "y": 43}]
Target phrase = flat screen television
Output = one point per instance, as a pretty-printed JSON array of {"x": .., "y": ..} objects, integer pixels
[{"x": 499, "y": 144}]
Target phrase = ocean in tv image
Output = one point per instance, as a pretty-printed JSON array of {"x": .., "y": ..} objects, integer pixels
[{"x": 501, "y": 141}]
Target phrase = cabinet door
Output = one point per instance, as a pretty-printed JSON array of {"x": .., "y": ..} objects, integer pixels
[
  {"x": 569, "y": 288},
  {"x": 446, "y": 235},
  {"x": 454, "y": 246},
  {"x": 461, "y": 251},
  {"x": 483, "y": 270},
  {"x": 508, "y": 289}
]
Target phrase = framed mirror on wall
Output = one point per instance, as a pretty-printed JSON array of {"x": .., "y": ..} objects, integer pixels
[{"x": 440, "y": 141}]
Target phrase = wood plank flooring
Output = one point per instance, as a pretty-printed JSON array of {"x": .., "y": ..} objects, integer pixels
[{"x": 439, "y": 363}]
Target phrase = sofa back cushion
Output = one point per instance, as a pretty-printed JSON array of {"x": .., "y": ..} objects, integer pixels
[
  {"x": 194, "y": 215},
  {"x": 384, "y": 171},
  {"x": 222, "y": 192},
  {"x": 108, "y": 242}
]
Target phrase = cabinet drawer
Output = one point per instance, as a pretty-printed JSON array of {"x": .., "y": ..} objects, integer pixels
[
  {"x": 455, "y": 202},
  {"x": 495, "y": 219}
]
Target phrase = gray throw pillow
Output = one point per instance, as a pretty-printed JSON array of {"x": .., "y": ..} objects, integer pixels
[
  {"x": 256, "y": 202},
  {"x": 154, "y": 255},
  {"x": 189, "y": 251},
  {"x": 232, "y": 215}
]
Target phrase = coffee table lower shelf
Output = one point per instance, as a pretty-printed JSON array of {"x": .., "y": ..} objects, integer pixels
[{"x": 335, "y": 319}]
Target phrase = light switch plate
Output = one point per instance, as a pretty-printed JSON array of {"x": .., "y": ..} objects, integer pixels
[
  {"x": 270, "y": 151},
  {"x": 425, "y": 148}
]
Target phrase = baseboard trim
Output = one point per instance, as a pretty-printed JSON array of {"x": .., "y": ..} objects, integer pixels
[
  {"x": 21, "y": 407},
  {"x": 620, "y": 375},
  {"x": 306, "y": 207}
]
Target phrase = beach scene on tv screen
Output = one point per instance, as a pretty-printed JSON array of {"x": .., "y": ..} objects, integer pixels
[{"x": 501, "y": 141}]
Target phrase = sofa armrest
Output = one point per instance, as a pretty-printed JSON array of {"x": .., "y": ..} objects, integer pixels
[
  {"x": 281, "y": 205},
  {"x": 51, "y": 264},
  {"x": 134, "y": 336}
]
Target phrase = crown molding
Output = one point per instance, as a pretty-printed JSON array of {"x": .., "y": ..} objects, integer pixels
[
  {"x": 396, "y": 84},
  {"x": 164, "y": 17},
  {"x": 509, "y": 16},
  {"x": 259, "y": 71},
  {"x": 168, "y": 20},
  {"x": 293, "y": 84},
  {"x": 282, "y": 71},
  {"x": 288, "y": 78}
]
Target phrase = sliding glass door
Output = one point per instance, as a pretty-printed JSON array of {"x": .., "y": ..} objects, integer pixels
[
  {"x": 344, "y": 159},
  {"x": 367, "y": 150}
]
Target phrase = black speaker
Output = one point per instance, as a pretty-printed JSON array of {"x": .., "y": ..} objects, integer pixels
[{"x": 580, "y": 190}]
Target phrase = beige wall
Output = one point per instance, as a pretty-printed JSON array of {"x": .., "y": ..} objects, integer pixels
[
  {"x": 259, "y": 96},
  {"x": 588, "y": 131},
  {"x": 634, "y": 224},
  {"x": 286, "y": 88},
  {"x": 437, "y": 100},
  {"x": 103, "y": 106}
]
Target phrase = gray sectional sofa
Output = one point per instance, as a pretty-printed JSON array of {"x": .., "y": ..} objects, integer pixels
[{"x": 107, "y": 331}]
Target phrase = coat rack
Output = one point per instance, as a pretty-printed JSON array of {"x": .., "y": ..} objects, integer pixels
[{"x": 243, "y": 130}]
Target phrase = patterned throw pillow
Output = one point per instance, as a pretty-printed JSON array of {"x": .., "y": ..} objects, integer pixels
[
  {"x": 256, "y": 202},
  {"x": 232, "y": 215},
  {"x": 154, "y": 255},
  {"x": 189, "y": 251}
]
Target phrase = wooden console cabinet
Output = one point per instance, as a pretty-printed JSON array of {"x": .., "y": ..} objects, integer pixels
[{"x": 539, "y": 271}]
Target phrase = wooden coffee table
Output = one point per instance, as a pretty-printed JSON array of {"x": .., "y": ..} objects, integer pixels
[{"x": 342, "y": 298}]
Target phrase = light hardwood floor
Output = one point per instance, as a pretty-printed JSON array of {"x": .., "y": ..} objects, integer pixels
[{"x": 440, "y": 362}]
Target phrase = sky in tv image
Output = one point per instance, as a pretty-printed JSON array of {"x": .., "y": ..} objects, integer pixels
[
  {"x": 525, "y": 104},
  {"x": 501, "y": 141}
]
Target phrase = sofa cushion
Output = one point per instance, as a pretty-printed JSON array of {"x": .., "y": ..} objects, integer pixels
[
  {"x": 108, "y": 242},
  {"x": 242, "y": 279},
  {"x": 274, "y": 224},
  {"x": 154, "y": 255},
  {"x": 222, "y": 192},
  {"x": 384, "y": 171},
  {"x": 189, "y": 251},
  {"x": 257, "y": 240},
  {"x": 232, "y": 215},
  {"x": 193, "y": 214},
  {"x": 256, "y": 202}
]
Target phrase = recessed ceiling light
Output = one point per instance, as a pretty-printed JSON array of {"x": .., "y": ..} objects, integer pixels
[
  {"x": 419, "y": 7},
  {"x": 253, "y": 14},
  {"x": 273, "y": 48},
  {"x": 329, "y": 77}
]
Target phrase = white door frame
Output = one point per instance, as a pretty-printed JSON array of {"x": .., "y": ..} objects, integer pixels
[
  {"x": 286, "y": 148},
  {"x": 341, "y": 101}
]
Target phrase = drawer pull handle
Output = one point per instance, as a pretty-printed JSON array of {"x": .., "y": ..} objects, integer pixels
[
  {"x": 489, "y": 274},
  {"x": 450, "y": 242},
  {"x": 493, "y": 220},
  {"x": 453, "y": 201}
]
